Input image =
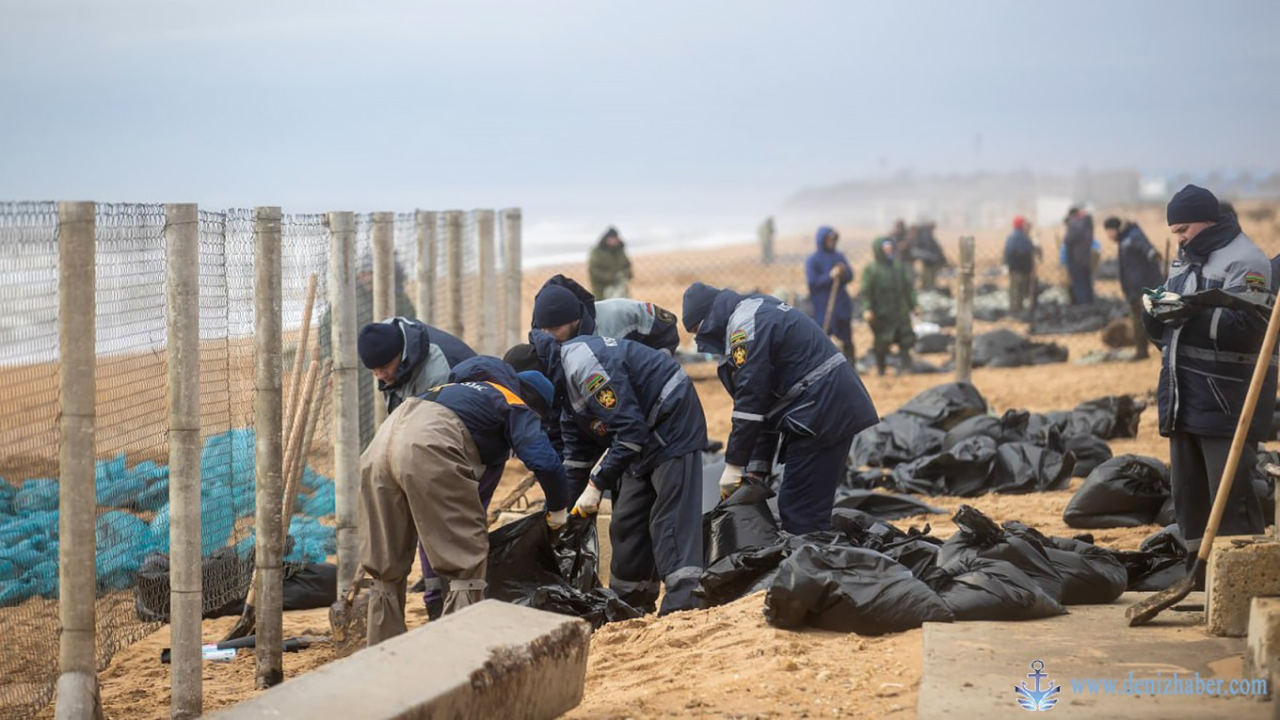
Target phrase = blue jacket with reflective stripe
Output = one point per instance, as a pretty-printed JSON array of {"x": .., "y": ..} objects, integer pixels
[
  {"x": 1207, "y": 360},
  {"x": 784, "y": 375},
  {"x": 429, "y": 354},
  {"x": 622, "y": 396},
  {"x": 500, "y": 423}
]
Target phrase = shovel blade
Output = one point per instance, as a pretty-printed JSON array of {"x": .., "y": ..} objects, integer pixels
[{"x": 1143, "y": 612}]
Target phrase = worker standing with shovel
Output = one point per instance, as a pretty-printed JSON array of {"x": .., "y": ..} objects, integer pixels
[{"x": 829, "y": 274}]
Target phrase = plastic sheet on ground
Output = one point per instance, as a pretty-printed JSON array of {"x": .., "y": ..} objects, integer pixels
[
  {"x": 849, "y": 589},
  {"x": 1159, "y": 562},
  {"x": 1125, "y": 491},
  {"x": 1004, "y": 348},
  {"x": 526, "y": 567}
]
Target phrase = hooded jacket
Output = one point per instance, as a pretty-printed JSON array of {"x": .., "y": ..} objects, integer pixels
[
  {"x": 1078, "y": 243},
  {"x": 616, "y": 395},
  {"x": 429, "y": 354},
  {"x": 817, "y": 271},
  {"x": 607, "y": 265},
  {"x": 1139, "y": 263},
  {"x": 484, "y": 393},
  {"x": 1207, "y": 361},
  {"x": 783, "y": 373},
  {"x": 887, "y": 290}
]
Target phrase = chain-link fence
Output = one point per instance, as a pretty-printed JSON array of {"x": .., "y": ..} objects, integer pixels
[
  {"x": 132, "y": 478},
  {"x": 1051, "y": 329}
]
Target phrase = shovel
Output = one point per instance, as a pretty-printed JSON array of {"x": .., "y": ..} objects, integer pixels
[
  {"x": 831, "y": 306},
  {"x": 1143, "y": 612},
  {"x": 349, "y": 618}
]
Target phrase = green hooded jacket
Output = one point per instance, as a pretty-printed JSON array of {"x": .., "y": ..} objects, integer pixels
[{"x": 887, "y": 291}]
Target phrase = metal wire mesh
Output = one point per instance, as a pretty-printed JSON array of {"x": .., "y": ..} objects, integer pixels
[{"x": 132, "y": 412}]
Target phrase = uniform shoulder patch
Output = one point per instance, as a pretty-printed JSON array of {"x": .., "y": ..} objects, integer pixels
[
  {"x": 738, "y": 337},
  {"x": 1255, "y": 280},
  {"x": 739, "y": 356},
  {"x": 598, "y": 427},
  {"x": 664, "y": 315},
  {"x": 594, "y": 382},
  {"x": 607, "y": 398}
]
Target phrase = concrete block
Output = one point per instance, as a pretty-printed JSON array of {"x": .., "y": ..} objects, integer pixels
[
  {"x": 1262, "y": 656},
  {"x": 1240, "y": 569},
  {"x": 490, "y": 660}
]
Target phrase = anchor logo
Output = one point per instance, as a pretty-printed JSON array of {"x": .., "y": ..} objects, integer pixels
[{"x": 1038, "y": 699}]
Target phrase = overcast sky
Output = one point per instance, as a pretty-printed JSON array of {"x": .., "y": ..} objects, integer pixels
[{"x": 614, "y": 109}]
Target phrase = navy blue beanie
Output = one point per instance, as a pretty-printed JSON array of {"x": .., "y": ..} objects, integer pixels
[
  {"x": 697, "y": 304},
  {"x": 555, "y": 306},
  {"x": 1192, "y": 205},
  {"x": 539, "y": 384},
  {"x": 379, "y": 344}
]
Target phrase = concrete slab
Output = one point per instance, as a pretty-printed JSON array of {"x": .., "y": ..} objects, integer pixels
[
  {"x": 491, "y": 660},
  {"x": 1240, "y": 569},
  {"x": 1263, "y": 656},
  {"x": 971, "y": 669}
]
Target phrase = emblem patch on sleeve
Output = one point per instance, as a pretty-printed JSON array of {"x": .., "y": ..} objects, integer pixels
[
  {"x": 664, "y": 315},
  {"x": 739, "y": 336},
  {"x": 607, "y": 398},
  {"x": 594, "y": 382},
  {"x": 598, "y": 427},
  {"x": 739, "y": 356},
  {"x": 1254, "y": 280}
]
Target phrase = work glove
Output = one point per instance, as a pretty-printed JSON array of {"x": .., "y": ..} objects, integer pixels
[
  {"x": 556, "y": 519},
  {"x": 588, "y": 502},
  {"x": 730, "y": 479},
  {"x": 869, "y": 316},
  {"x": 1152, "y": 298}
]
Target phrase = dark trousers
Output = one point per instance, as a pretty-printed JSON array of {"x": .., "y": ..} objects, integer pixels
[
  {"x": 1141, "y": 343},
  {"x": 656, "y": 534},
  {"x": 1081, "y": 284},
  {"x": 488, "y": 484},
  {"x": 812, "y": 473},
  {"x": 1019, "y": 290},
  {"x": 1196, "y": 463}
]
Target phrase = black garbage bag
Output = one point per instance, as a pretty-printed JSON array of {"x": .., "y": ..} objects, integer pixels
[
  {"x": 864, "y": 529},
  {"x": 883, "y": 505},
  {"x": 1005, "y": 348},
  {"x": 1023, "y": 467},
  {"x": 963, "y": 471},
  {"x": 597, "y": 606},
  {"x": 935, "y": 343},
  {"x": 577, "y": 550},
  {"x": 917, "y": 553},
  {"x": 742, "y": 520},
  {"x": 521, "y": 559},
  {"x": 1159, "y": 562},
  {"x": 849, "y": 589},
  {"x": 1090, "y": 452},
  {"x": 1090, "y": 575},
  {"x": 1166, "y": 516},
  {"x": 981, "y": 588},
  {"x": 1108, "y": 417},
  {"x": 1125, "y": 491},
  {"x": 1057, "y": 319},
  {"x": 753, "y": 569},
  {"x": 1264, "y": 486},
  {"x": 979, "y": 536},
  {"x": 1010, "y": 427},
  {"x": 1108, "y": 269},
  {"x": 943, "y": 407},
  {"x": 866, "y": 479},
  {"x": 896, "y": 439},
  {"x": 1046, "y": 428},
  {"x": 222, "y": 569}
]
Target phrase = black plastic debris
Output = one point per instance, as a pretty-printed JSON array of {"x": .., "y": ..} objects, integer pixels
[
  {"x": 963, "y": 471},
  {"x": 887, "y": 506},
  {"x": 306, "y": 587},
  {"x": 1059, "y": 319},
  {"x": 1010, "y": 427},
  {"x": 979, "y": 536},
  {"x": 1159, "y": 562},
  {"x": 1090, "y": 575},
  {"x": 896, "y": 439},
  {"x": 849, "y": 589},
  {"x": 1166, "y": 516},
  {"x": 981, "y": 588},
  {"x": 1125, "y": 491},
  {"x": 753, "y": 570},
  {"x": 1004, "y": 348},
  {"x": 1089, "y": 451},
  {"x": 528, "y": 566},
  {"x": 935, "y": 343},
  {"x": 742, "y": 520},
  {"x": 943, "y": 407},
  {"x": 1023, "y": 467},
  {"x": 1108, "y": 417}
]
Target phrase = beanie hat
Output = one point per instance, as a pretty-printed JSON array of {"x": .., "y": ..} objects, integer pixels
[
  {"x": 379, "y": 344},
  {"x": 555, "y": 306},
  {"x": 697, "y": 304},
  {"x": 1111, "y": 223},
  {"x": 1019, "y": 222},
  {"x": 1191, "y": 205},
  {"x": 535, "y": 387},
  {"x": 523, "y": 357}
]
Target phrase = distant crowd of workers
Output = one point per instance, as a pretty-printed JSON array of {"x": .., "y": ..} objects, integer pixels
[{"x": 595, "y": 402}]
